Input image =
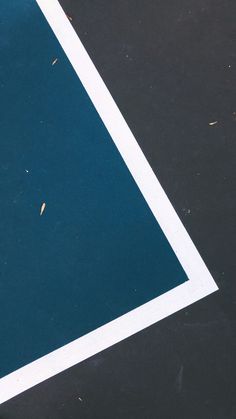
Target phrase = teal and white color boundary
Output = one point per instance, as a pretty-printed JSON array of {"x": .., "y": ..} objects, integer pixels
[{"x": 200, "y": 283}]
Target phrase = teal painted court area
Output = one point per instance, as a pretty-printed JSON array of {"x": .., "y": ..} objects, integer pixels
[{"x": 96, "y": 252}]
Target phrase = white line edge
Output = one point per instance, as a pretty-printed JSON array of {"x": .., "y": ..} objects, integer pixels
[{"x": 200, "y": 283}]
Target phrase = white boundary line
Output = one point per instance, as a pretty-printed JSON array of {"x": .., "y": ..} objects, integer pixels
[{"x": 200, "y": 282}]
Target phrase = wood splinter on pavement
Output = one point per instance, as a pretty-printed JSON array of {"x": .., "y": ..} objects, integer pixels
[{"x": 43, "y": 206}]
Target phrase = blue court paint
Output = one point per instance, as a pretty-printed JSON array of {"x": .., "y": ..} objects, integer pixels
[{"x": 96, "y": 252}]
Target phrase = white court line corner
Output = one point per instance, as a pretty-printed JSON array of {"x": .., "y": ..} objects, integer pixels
[{"x": 200, "y": 282}]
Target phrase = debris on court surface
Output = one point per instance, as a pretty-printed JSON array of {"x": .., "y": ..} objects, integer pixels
[
  {"x": 80, "y": 399},
  {"x": 213, "y": 123},
  {"x": 186, "y": 211},
  {"x": 55, "y": 61},
  {"x": 179, "y": 380},
  {"x": 43, "y": 206},
  {"x": 69, "y": 17}
]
